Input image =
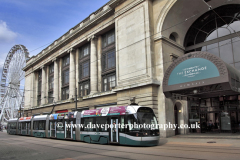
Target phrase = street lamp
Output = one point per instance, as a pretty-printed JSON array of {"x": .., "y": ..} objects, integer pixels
[
  {"x": 72, "y": 99},
  {"x": 76, "y": 99},
  {"x": 54, "y": 103}
]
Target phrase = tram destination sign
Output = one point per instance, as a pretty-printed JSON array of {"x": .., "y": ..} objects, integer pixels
[{"x": 194, "y": 69}]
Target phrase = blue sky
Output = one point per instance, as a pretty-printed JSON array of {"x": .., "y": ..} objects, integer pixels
[{"x": 35, "y": 23}]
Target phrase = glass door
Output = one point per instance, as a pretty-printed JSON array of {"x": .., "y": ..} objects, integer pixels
[
  {"x": 27, "y": 128},
  {"x": 53, "y": 129},
  {"x": 114, "y": 130},
  {"x": 19, "y": 128},
  {"x": 68, "y": 129}
]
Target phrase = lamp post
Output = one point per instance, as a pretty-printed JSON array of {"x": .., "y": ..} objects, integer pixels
[
  {"x": 54, "y": 103},
  {"x": 76, "y": 99}
]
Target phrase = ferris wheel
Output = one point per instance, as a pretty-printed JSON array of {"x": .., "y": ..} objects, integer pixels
[{"x": 12, "y": 82}]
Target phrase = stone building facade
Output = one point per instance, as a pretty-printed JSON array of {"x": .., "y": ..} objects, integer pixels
[{"x": 122, "y": 51}]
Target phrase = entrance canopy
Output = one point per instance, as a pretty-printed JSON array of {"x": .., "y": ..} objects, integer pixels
[{"x": 201, "y": 74}]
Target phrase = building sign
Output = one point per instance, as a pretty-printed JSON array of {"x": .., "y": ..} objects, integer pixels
[
  {"x": 62, "y": 111},
  {"x": 193, "y": 69}
]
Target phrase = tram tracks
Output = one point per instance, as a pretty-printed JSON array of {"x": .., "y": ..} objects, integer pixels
[
  {"x": 62, "y": 146},
  {"x": 165, "y": 147}
]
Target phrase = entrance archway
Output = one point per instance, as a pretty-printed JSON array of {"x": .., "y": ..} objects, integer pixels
[
  {"x": 214, "y": 87},
  {"x": 176, "y": 118}
]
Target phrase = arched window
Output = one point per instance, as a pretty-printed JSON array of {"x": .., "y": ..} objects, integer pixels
[
  {"x": 217, "y": 32},
  {"x": 172, "y": 37}
]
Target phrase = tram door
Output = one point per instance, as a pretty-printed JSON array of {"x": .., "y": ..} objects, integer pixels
[
  {"x": 19, "y": 128},
  {"x": 114, "y": 130},
  {"x": 27, "y": 128},
  {"x": 53, "y": 129},
  {"x": 68, "y": 129}
]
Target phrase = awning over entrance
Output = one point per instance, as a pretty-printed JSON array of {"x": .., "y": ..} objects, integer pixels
[{"x": 201, "y": 74}]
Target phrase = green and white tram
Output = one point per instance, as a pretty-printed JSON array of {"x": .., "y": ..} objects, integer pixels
[
  {"x": 39, "y": 126},
  {"x": 62, "y": 125},
  {"x": 12, "y": 126},
  {"x": 125, "y": 125},
  {"x": 24, "y": 125}
]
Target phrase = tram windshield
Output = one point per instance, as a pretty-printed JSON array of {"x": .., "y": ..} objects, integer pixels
[{"x": 147, "y": 118}]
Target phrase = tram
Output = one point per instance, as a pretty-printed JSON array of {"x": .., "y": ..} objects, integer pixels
[
  {"x": 24, "y": 126},
  {"x": 124, "y": 125}
]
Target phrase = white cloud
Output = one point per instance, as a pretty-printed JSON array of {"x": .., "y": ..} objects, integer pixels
[{"x": 6, "y": 35}]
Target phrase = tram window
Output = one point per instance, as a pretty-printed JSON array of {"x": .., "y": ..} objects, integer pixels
[
  {"x": 52, "y": 125},
  {"x": 13, "y": 125},
  {"x": 88, "y": 124},
  {"x": 82, "y": 124},
  {"x": 68, "y": 122},
  {"x": 122, "y": 124},
  {"x": 35, "y": 125},
  {"x": 23, "y": 126},
  {"x": 19, "y": 126},
  {"x": 131, "y": 121},
  {"x": 100, "y": 124},
  {"x": 91, "y": 126},
  {"x": 41, "y": 125},
  {"x": 148, "y": 119},
  {"x": 28, "y": 125},
  {"x": 85, "y": 122},
  {"x": 74, "y": 122}
]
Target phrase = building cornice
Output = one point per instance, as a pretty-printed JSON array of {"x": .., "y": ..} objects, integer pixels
[
  {"x": 92, "y": 20},
  {"x": 141, "y": 84},
  {"x": 128, "y": 7}
]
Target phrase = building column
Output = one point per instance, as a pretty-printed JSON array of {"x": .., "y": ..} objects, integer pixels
[
  {"x": 33, "y": 96},
  {"x": 36, "y": 90},
  {"x": 77, "y": 70},
  {"x": 56, "y": 79},
  {"x": 99, "y": 62},
  {"x": 93, "y": 65},
  {"x": 47, "y": 83},
  {"x": 43, "y": 94},
  {"x": 72, "y": 74},
  {"x": 60, "y": 79}
]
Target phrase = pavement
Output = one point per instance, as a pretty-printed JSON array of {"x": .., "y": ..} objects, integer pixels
[
  {"x": 210, "y": 135},
  {"x": 204, "y": 139}
]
